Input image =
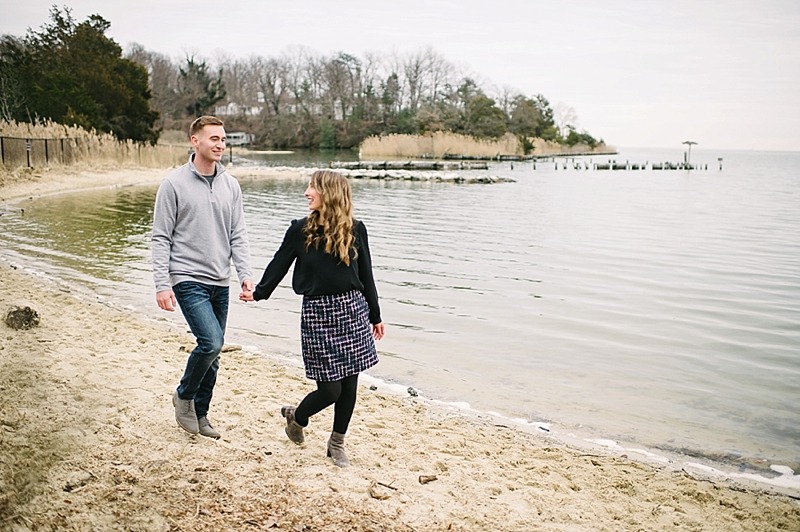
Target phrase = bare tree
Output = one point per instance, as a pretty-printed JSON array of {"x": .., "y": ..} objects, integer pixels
[
  {"x": 414, "y": 72},
  {"x": 441, "y": 74},
  {"x": 507, "y": 98},
  {"x": 297, "y": 60},
  {"x": 163, "y": 80},
  {"x": 395, "y": 81},
  {"x": 564, "y": 117},
  {"x": 368, "y": 100},
  {"x": 269, "y": 78},
  {"x": 235, "y": 76}
]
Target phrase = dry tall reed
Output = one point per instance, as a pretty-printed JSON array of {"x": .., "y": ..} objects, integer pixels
[
  {"x": 441, "y": 144},
  {"x": 82, "y": 146},
  {"x": 548, "y": 147},
  {"x": 438, "y": 145}
]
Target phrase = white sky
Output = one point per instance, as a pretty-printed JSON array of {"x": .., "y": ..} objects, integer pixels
[{"x": 638, "y": 73}]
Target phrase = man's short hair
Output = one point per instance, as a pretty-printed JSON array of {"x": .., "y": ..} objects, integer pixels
[{"x": 203, "y": 121}]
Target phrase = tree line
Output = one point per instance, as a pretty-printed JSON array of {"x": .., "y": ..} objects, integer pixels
[{"x": 73, "y": 73}]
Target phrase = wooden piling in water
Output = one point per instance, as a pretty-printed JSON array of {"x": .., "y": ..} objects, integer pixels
[{"x": 409, "y": 165}]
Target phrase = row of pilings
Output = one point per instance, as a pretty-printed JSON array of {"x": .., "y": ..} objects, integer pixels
[
  {"x": 580, "y": 164},
  {"x": 558, "y": 163},
  {"x": 409, "y": 165}
]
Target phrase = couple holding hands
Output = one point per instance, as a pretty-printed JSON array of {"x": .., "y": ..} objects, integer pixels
[{"x": 199, "y": 229}]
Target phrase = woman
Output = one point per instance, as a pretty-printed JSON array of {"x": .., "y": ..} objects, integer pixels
[{"x": 340, "y": 318}]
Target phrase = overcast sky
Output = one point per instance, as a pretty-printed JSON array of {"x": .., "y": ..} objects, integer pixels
[{"x": 638, "y": 73}]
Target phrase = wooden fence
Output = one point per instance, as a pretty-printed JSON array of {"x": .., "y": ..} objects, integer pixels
[{"x": 18, "y": 152}]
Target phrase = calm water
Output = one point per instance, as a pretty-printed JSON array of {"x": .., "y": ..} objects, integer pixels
[{"x": 657, "y": 309}]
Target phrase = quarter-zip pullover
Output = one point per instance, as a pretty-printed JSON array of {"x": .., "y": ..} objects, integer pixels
[{"x": 198, "y": 229}]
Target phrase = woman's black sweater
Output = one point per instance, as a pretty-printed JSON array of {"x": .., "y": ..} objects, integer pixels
[{"x": 317, "y": 273}]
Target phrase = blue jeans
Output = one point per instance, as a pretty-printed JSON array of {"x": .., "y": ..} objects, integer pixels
[{"x": 205, "y": 308}]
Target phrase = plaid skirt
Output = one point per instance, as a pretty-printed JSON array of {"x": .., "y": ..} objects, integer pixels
[{"x": 336, "y": 336}]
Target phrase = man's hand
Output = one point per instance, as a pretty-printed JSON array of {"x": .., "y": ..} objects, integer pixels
[
  {"x": 166, "y": 300},
  {"x": 247, "y": 291}
]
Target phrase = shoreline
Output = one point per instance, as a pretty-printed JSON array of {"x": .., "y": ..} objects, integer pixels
[
  {"x": 50, "y": 181},
  {"x": 106, "y": 440}
]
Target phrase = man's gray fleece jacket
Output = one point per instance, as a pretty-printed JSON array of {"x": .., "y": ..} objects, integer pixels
[{"x": 198, "y": 229}]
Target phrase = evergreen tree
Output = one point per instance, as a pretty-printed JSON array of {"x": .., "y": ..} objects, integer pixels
[
  {"x": 12, "y": 96},
  {"x": 73, "y": 74}
]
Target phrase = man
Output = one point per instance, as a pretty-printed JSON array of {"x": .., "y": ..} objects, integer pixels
[{"x": 198, "y": 228}]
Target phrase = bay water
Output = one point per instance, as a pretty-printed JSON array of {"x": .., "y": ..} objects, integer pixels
[{"x": 653, "y": 311}]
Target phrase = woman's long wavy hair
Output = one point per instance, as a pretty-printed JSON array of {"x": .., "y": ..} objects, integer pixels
[{"x": 334, "y": 218}]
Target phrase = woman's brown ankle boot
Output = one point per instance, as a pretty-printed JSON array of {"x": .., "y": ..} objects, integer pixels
[
  {"x": 336, "y": 450},
  {"x": 293, "y": 429}
]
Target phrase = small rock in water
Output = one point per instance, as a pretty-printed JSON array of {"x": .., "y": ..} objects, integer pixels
[
  {"x": 373, "y": 387},
  {"x": 22, "y": 318},
  {"x": 412, "y": 392}
]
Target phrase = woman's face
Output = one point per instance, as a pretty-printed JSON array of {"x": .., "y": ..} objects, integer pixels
[{"x": 314, "y": 198}]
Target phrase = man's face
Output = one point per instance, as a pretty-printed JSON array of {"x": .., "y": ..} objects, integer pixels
[{"x": 209, "y": 143}]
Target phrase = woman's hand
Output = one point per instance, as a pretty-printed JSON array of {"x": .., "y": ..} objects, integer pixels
[
  {"x": 377, "y": 330},
  {"x": 246, "y": 295},
  {"x": 247, "y": 291}
]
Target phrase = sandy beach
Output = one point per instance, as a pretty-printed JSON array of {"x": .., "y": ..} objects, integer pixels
[{"x": 88, "y": 439}]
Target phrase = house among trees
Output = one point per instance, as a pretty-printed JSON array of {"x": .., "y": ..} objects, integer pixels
[
  {"x": 236, "y": 109},
  {"x": 239, "y": 138}
]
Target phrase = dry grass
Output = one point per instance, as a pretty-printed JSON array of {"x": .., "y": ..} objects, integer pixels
[
  {"x": 440, "y": 145},
  {"x": 174, "y": 137},
  {"x": 44, "y": 130},
  {"x": 78, "y": 146},
  {"x": 546, "y": 147}
]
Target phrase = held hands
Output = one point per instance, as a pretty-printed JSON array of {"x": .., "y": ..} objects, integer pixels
[
  {"x": 166, "y": 300},
  {"x": 377, "y": 330},
  {"x": 247, "y": 291}
]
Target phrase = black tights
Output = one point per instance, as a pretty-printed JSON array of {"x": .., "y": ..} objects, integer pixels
[{"x": 341, "y": 394}]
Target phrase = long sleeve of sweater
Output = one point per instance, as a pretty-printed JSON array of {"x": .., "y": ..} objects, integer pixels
[
  {"x": 318, "y": 273},
  {"x": 198, "y": 229}
]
